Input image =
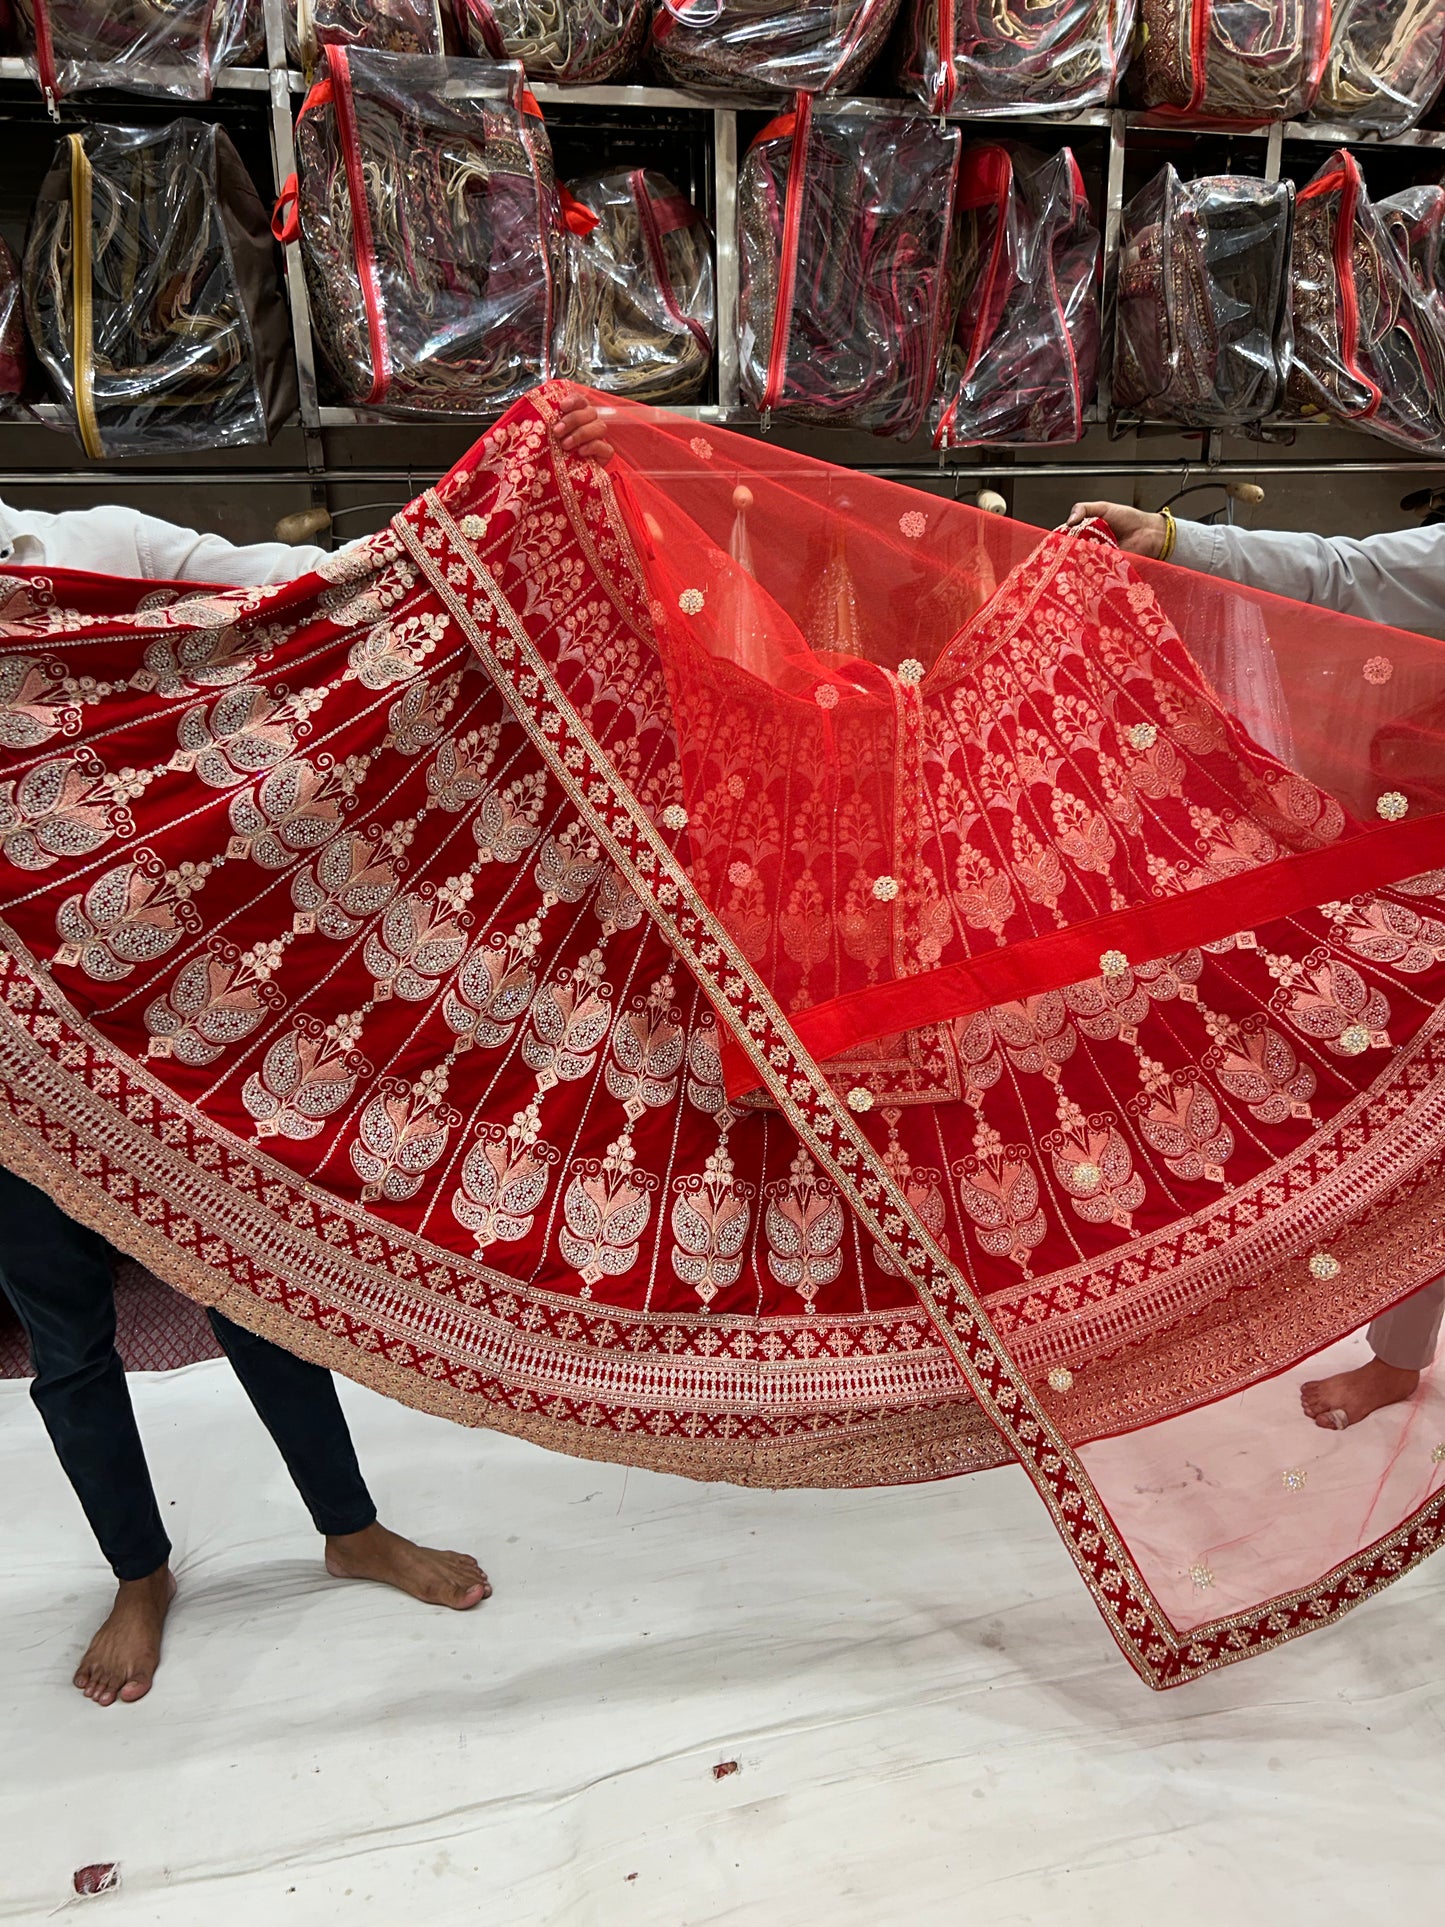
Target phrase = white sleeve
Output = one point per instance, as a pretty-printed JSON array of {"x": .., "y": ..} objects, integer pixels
[
  {"x": 124, "y": 542},
  {"x": 1397, "y": 578}
]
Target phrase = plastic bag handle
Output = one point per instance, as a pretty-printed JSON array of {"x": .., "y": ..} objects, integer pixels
[{"x": 285, "y": 217}]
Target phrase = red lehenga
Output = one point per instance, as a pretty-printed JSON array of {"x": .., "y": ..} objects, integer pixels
[{"x": 818, "y": 991}]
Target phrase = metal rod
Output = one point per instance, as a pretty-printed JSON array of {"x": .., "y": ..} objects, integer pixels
[{"x": 923, "y": 472}]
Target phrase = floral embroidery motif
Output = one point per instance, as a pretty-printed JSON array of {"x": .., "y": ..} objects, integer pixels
[
  {"x": 1379, "y": 669},
  {"x": 913, "y": 523},
  {"x": 1392, "y": 806},
  {"x": 691, "y": 602},
  {"x": 1324, "y": 1266},
  {"x": 711, "y": 1215},
  {"x": 804, "y": 1224}
]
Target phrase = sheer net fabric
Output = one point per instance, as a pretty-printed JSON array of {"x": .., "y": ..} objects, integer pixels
[{"x": 733, "y": 966}]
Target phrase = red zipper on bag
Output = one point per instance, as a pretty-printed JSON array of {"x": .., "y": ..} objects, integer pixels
[
  {"x": 946, "y": 92},
  {"x": 992, "y": 167},
  {"x": 1198, "y": 54},
  {"x": 652, "y": 238},
  {"x": 527, "y": 101},
  {"x": 1079, "y": 199},
  {"x": 1345, "y": 275},
  {"x": 45, "y": 54},
  {"x": 802, "y": 119},
  {"x": 1345, "y": 179},
  {"x": 362, "y": 241}
]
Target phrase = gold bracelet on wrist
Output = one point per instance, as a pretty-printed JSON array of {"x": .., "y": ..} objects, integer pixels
[{"x": 1171, "y": 534}]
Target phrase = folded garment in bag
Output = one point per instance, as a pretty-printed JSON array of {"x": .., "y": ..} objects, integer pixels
[
  {"x": 1369, "y": 334},
  {"x": 152, "y": 294},
  {"x": 843, "y": 230},
  {"x": 1202, "y": 326},
  {"x": 1023, "y": 361}
]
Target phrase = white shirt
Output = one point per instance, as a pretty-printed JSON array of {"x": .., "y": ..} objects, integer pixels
[
  {"x": 1397, "y": 578},
  {"x": 123, "y": 542}
]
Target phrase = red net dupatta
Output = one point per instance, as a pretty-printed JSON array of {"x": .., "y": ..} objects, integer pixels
[{"x": 425, "y": 962}]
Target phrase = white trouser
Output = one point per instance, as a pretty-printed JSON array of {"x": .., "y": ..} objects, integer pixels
[{"x": 1406, "y": 1335}]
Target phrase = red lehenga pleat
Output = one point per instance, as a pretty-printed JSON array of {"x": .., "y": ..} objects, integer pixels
[{"x": 403, "y": 961}]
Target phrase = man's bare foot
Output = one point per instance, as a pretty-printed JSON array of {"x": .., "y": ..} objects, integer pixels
[
  {"x": 1357, "y": 1393},
  {"x": 121, "y": 1660},
  {"x": 440, "y": 1578}
]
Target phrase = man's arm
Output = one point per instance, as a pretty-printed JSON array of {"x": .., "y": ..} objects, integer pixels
[
  {"x": 1397, "y": 578},
  {"x": 124, "y": 542}
]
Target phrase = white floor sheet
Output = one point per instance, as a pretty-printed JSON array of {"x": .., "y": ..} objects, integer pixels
[{"x": 929, "y": 1720}]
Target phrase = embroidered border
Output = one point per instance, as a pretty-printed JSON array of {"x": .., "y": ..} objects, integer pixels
[{"x": 1158, "y": 1651}]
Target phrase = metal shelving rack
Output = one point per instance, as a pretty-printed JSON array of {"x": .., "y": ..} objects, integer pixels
[{"x": 1124, "y": 132}]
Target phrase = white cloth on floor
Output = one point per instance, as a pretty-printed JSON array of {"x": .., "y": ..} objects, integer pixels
[{"x": 929, "y": 1719}]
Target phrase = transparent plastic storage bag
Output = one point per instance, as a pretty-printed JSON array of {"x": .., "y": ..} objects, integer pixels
[
  {"x": 1416, "y": 220},
  {"x": 1202, "y": 330},
  {"x": 640, "y": 314},
  {"x": 427, "y": 213},
  {"x": 1022, "y": 364},
  {"x": 1369, "y": 334},
  {"x": 1243, "y": 61},
  {"x": 1386, "y": 64},
  {"x": 1004, "y": 57},
  {"x": 143, "y": 46},
  {"x": 758, "y": 47},
  {"x": 576, "y": 43},
  {"x": 152, "y": 295},
  {"x": 843, "y": 230}
]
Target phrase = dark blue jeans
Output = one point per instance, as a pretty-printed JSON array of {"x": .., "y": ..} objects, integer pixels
[{"x": 58, "y": 1276}]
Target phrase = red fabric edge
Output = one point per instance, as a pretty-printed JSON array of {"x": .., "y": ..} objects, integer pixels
[{"x": 1372, "y": 860}]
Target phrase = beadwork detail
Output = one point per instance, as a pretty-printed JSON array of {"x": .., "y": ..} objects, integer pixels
[
  {"x": 1202, "y": 1576},
  {"x": 1088, "y": 1177},
  {"x": 1295, "y": 1479},
  {"x": 1324, "y": 1265},
  {"x": 1392, "y": 806},
  {"x": 826, "y": 696},
  {"x": 913, "y": 523},
  {"x": 1113, "y": 963},
  {"x": 1354, "y": 1038},
  {"x": 674, "y": 817},
  {"x": 1379, "y": 669},
  {"x": 910, "y": 671},
  {"x": 692, "y": 602},
  {"x": 885, "y": 888},
  {"x": 1061, "y": 1379},
  {"x": 1143, "y": 735},
  {"x": 860, "y": 1099}
]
